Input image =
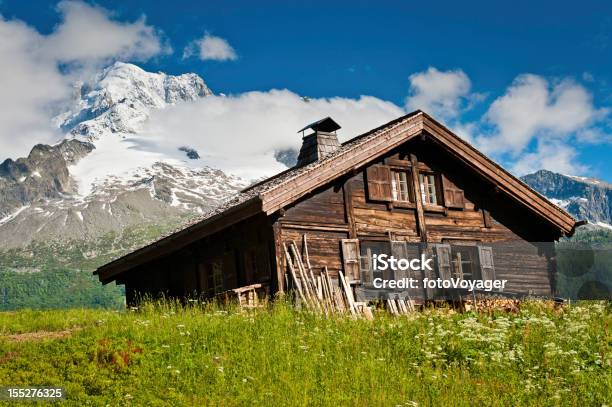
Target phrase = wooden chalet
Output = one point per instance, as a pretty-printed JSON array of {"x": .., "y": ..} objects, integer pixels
[{"x": 408, "y": 186}]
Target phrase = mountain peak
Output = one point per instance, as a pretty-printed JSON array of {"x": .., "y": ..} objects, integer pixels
[
  {"x": 120, "y": 98},
  {"x": 584, "y": 197}
]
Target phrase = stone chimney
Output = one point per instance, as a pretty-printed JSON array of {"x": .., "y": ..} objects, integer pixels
[{"x": 319, "y": 144}]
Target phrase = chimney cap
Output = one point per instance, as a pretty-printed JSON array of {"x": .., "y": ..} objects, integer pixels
[{"x": 326, "y": 125}]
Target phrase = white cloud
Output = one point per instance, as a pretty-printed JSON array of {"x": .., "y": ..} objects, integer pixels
[
  {"x": 211, "y": 47},
  {"x": 89, "y": 33},
  {"x": 441, "y": 93},
  {"x": 554, "y": 156},
  {"x": 30, "y": 79},
  {"x": 240, "y": 133},
  {"x": 533, "y": 107},
  {"x": 30, "y": 82}
]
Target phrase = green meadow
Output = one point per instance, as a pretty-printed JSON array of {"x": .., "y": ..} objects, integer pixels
[{"x": 167, "y": 354}]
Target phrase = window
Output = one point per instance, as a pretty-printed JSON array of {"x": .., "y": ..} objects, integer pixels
[
  {"x": 368, "y": 249},
  {"x": 429, "y": 189},
  {"x": 400, "y": 186},
  {"x": 465, "y": 262}
]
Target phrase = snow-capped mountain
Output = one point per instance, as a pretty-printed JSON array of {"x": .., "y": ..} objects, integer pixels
[
  {"x": 103, "y": 177},
  {"x": 120, "y": 99},
  {"x": 585, "y": 198}
]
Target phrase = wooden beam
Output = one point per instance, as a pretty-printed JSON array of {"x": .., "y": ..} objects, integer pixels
[
  {"x": 307, "y": 225},
  {"x": 416, "y": 187},
  {"x": 486, "y": 217},
  {"x": 279, "y": 251},
  {"x": 347, "y": 190}
]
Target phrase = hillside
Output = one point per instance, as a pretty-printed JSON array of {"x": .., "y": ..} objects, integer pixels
[{"x": 542, "y": 355}]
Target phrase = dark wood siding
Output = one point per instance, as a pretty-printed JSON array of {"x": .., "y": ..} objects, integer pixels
[
  {"x": 244, "y": 253},
  {"x": 476, "y": 213}
]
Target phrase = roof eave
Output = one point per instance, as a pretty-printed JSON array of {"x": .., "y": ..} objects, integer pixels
[{"x": 182, "y": 238}]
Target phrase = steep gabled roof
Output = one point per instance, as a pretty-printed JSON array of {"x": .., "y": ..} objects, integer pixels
[{"x": 283, "y": 189}]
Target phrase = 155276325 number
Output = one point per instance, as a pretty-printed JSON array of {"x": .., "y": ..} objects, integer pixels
[{"x": 31, "y": 393}]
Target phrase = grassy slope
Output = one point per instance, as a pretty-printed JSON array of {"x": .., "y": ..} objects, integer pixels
[
  {"x": 174, "y": 356},
  {"x": 59, "y": 274}
]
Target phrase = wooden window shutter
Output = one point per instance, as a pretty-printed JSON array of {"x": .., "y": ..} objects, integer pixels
[
  {"x": 379, "y": 183},
  {"x": 366, "y": 267},
  {"x": 453, "y": 196},
  {"x": 350, "y": 258},
  {"x": 443, "y": 261},
  {"x": 399, "y": 251},
  {"x": 430, "y": 293},
  {"x": 485, "y": 257}
]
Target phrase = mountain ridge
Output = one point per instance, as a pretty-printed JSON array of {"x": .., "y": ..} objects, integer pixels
[
  {"x": 99, "y": 178},
  {"x": 584, "y": 198}
]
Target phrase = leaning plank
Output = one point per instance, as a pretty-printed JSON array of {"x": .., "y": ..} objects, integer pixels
[
  {"x": 402, "y": 306},
  {"x": 308, "y": 283},
  {"x": 295, "y": 279},
  {"x": 306, "y": 256},
  {"x": 391, "y": 306},
  {"x": 347, "y": 292},
  {"x": 327, "y": 298}
]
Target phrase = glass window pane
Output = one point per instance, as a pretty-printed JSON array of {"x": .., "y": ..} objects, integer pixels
[
  {"x": 404, "y": 186},
  {"x": 432, "y": 190},
  {"x": 394, "y": 187},
  {"x": 423, "y": 188}
]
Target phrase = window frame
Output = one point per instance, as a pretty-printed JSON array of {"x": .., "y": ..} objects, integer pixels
[
  {"x": 437, "y": 189},
  {"x": 396, "y": 193}
]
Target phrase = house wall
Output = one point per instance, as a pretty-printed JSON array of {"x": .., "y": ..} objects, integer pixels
[{"x": 344, "y": 210}]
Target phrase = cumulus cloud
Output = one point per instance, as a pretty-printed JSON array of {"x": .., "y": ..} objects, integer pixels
[
  {"x": 240, "y": 133},
  {"x": 441, "y": 93},
  {"x": 533, "y": 107},
  {"x": 29, "y": 83},
  {"x": 89, "y": 33},
  {"x": 30, "y": 78},
  {"x": 536, "y": 123},
  {"x": 210, "y": 47},
  {"x": 554, "y": 156}
]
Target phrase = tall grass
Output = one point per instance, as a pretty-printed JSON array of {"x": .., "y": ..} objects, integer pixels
[{"x": 168, "y": 354}]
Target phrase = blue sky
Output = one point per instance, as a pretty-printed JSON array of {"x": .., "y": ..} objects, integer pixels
[{"x": 386, "y": 49}]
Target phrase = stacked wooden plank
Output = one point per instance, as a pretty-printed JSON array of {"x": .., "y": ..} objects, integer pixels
[
  {"x": 491, "y": 304},
  {"x": 399, "y": 306},
  {"x": 319, "y": 293}
]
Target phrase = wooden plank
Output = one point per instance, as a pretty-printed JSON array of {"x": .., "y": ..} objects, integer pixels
[
  {"x": 308, "y": 283},
  {"x": 294, "y": 276},
  {"x": 306, "y": 225},
  {"x": 348, "y": 293}
]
